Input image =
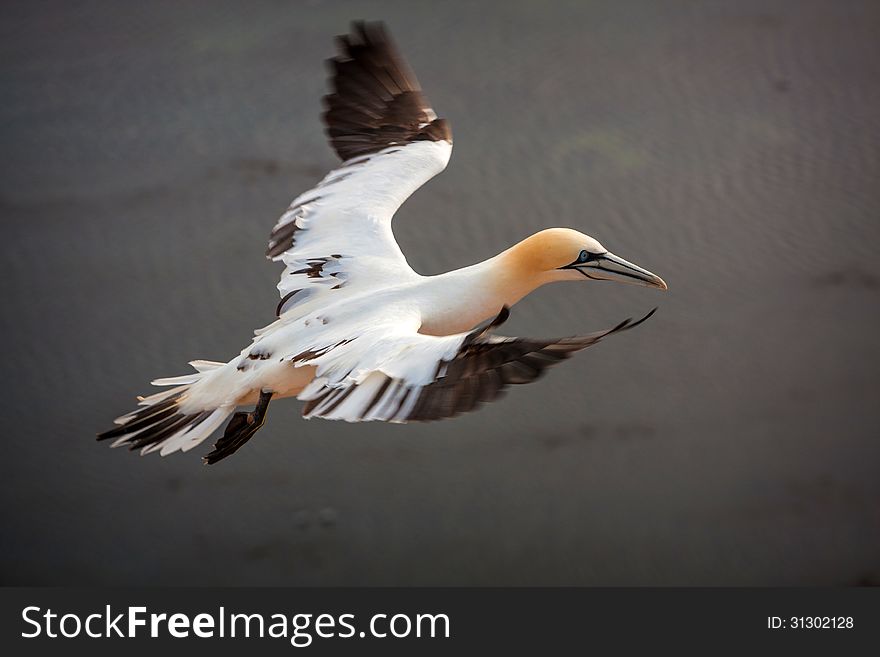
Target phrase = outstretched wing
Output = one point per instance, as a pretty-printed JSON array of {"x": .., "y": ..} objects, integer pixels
[
  {"x": 338, "y": 235},
  {"x": 409, "y": 377}
]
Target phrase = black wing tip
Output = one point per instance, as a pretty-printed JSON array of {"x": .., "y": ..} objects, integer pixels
[
  {"x": 588, "y": 340},
  {"x": 643, "y": 319},
  {"x": 376, "y": 100},
  {"x": 628, "y": 323}
]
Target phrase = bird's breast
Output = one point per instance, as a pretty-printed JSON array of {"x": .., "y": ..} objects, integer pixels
[{"x": 456, "y": 306}]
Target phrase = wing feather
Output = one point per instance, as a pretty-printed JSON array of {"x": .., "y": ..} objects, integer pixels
[
  {"x": 391, "y": 142},
  {"x": 389, "y": 383}
]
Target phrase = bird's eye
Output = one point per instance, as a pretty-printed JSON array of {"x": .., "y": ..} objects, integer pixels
[{"x": 584, "y": 256}]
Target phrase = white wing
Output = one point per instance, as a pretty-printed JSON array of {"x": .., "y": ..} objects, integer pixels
[{"x": 338, "y": 235}]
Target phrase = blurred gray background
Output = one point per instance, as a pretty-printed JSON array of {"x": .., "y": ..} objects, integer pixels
[{"x": 731, "y": 147}]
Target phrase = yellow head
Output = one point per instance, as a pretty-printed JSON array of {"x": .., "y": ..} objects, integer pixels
[{"x": 559, "y": 254}]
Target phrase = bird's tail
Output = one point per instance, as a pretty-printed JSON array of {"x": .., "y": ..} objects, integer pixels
[{"x": 160, "y": 425}]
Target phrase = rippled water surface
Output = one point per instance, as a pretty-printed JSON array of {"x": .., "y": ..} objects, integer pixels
[{"x": 731, "y": 147}]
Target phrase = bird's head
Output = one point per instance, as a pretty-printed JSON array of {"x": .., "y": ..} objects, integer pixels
[{"x": 558, "y": 254}]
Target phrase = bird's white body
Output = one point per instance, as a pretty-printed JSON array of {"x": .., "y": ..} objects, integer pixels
[
  {"x": 442, "y": 305},
  {"x": 360, "y": 335}
]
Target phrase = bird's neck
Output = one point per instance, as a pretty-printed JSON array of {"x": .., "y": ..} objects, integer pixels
[
  {"x": 519, "y": 270},
  {"x": 463, "y": 298}
]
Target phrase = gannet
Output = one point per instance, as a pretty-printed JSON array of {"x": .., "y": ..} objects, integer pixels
[{"x": 360, "y": 336}]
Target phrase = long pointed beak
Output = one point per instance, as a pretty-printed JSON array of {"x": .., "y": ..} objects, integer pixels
[{"x": 609, "y": 267}]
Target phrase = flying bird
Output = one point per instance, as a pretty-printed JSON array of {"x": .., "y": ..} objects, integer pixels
[{"x": 361, "y": 336}]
